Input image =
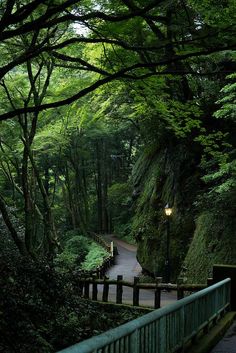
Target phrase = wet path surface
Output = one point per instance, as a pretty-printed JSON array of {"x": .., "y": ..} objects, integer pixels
[
  {"x": 127, "y": 265},
  {"x": 228, "y": 342}
]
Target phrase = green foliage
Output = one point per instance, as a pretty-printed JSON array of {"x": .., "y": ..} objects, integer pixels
[
  {"x": 74, "y": 252},
  {"x": 79, "y": 253},
  {"x": 215, "y": 146},
  {"x": 94, "y": 257},
  {"x": 164, "y": 176},
  {"x": 215, "y": 13},
  {"x": 124, "y": 231},
  {"x": 220, "y": 175},
  {"x": 214, "y": 242},
  {"x": 119, "y": 195},
  {"x": 41, "y": 308},
  {"x": 181, "y": 124},
  {"x": 227, "y": 102},
  {"x": 214, "y": 239}
]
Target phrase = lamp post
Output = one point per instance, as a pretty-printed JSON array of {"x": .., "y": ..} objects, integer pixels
[{"x": 168, "y": 212}]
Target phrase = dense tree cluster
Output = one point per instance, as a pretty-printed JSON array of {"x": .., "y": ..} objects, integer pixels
[
  {"x": 111, "y": 109},
  {"x": 174, "y": 51}
]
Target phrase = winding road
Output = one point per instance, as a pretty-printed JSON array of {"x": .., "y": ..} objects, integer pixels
[{"x": 127, "y": 265}]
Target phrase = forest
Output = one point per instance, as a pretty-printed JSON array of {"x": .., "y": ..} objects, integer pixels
[{"x": 109, "y": 111}]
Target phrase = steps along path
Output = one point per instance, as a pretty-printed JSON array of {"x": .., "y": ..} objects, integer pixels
[{"x": 127, "y": 265}]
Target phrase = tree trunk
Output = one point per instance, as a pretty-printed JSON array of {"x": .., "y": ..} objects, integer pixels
[
  {"x": 19, "y": 243},
  {"x": 99, "y": 188}
]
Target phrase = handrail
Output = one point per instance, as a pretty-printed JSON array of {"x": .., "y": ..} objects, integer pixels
[
  {"x": 86, "y": 283},
  {"x": 100, "y": 240},
  {"x": 108, "y": 261},
  {"x": 163, "y": 330}
]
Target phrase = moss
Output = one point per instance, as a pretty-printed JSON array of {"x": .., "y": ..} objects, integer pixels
[
  {"x": 214, "y": 242},
  {"x": 95, "y": 257},
  {"x": 80, "y": 252},
  {"x": 119, "y": 208},
  {"x": 168, "y": 175}
]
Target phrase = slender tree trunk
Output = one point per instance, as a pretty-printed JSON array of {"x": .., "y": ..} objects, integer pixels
[
  {"x": 19, "y": 243},
  {"x": 49, "y": 229},
  {"x": 85, "y": 192},
  {"x": 105, "y": 222},
  {"x": 28, "y": 203},
  {"x": 99, "y": 188},
  {"x": 69, "y": 199}
]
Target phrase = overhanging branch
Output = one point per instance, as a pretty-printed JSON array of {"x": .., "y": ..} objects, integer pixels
[{"x": 123, "y": 73}]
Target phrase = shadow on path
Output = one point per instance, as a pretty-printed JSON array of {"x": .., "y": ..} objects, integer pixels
[{"x": 228, "y": 342}]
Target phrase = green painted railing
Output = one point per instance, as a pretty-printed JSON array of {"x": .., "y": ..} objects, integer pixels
[{"x": 164, "y": 330}]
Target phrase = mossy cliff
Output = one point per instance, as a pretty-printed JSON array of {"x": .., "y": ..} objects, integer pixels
[
  {"x": 199, "y": 237},
  {"x": 214, "y": 242},
  {"x": 164, "y": 176}
]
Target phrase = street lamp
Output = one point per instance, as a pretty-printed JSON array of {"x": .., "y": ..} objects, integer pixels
[{"x": 168, "y": 212}]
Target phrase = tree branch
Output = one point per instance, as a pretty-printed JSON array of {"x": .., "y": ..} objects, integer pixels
[{"x": 117, "y": 75}]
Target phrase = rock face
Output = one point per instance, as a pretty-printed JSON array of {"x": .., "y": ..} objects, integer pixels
[
  {"x": 214, "y": 242},
  {"x": 164, "y": 176},
  {"x": 199, "y": 238}
]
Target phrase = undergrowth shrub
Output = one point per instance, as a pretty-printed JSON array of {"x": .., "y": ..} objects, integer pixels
[
  {"x": 94, "y": 257},
  {"x": 41, "y": 312},
  {"x": 80, "y": 253}
]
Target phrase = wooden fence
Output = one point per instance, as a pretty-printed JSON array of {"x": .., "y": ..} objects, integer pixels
[
  {"x": 109, "y": 261},
  {"x": 88, "y": 288},
  {"x": 100, "y": 240},
  {"x": 88, "y": 281},
  {"x": 168, "y": 329}
]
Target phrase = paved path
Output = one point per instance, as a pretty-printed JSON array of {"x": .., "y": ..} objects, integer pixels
[
  {"x": 126, "y": 262},
  {"x": 128, "y": 266},
  {"x": 228, "y": 342}
]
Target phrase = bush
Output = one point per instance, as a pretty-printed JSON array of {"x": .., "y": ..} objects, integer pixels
[
  {"x": 73, "y": 254},
  {"x": 41, "y": 310},
  {"x": 80, "y": 253},
  {"x": 94, "y": 257}
]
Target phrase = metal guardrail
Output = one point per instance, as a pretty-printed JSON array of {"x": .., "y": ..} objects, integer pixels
[{"x": 164, "y": 330}]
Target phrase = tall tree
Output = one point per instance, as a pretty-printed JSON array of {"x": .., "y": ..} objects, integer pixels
[{"x": 148, "y": 36}]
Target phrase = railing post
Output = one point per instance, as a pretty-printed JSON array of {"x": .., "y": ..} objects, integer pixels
[
  {"x": 94, "y": 290},
  {"x": 134, "y": 341},
  {"x": 112, "y": 260},
  {"x": 98, "y": 272},
  {"x": 119, "y": 290},
  {"x": 163, "y": 330},
  {"x": 206, "y": 328},
  {"x": 102, "y": 270},
  {"x": 157, "y": 294},
  {"x": 136, "y": 292},
  {"x": 105, "y": 290},
  {"x": 112, "y": 248},
  {"x": 86, "y": 288},
  {"x": 209, "y": 282},
  {"x": 180, "y": 291},
  {"x": 80, "y": 287}
]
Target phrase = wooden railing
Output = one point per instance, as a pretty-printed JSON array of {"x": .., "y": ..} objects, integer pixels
[
  {"x": 100, "y": 240},
  {"x": 164, "y": 330},
  {"x": 109, "y": 261},
  {"x": 88, "y": 288}
]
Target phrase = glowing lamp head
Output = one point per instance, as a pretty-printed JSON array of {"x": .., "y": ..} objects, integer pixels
[{"x": 168, "y": 210}]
